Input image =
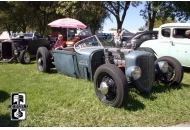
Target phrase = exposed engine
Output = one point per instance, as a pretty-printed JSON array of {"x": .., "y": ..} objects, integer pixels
[{"x": 116, "y": 56}]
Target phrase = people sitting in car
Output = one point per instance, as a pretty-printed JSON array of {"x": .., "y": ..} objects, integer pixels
[
  {"x": 187, "y": 34},
  {"x": 60, "y": 43}
]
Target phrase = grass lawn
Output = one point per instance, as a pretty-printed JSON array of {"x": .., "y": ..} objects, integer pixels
[{"x": 57, "y": 100}]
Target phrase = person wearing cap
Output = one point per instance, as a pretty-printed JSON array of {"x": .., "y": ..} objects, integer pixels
[{"x": 60, "y": 43}]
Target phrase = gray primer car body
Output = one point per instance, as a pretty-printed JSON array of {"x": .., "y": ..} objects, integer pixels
[
  {"x": 113, "y": 70},
  {"x": 83, "y": 63}
]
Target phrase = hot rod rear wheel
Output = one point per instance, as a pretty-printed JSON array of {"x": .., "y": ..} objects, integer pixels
[
  {"x": 24, "y": 57},
  {"x": 0, "y": 55},
  {"x": 43, "y": 60},
  {"x": 111, "y": 85},
  {"x": 174, "y": 74}
]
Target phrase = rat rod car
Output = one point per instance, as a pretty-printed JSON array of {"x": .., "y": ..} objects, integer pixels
[
  {"x": 111, "y": 69},
  {"x": 21, "y": 49}
]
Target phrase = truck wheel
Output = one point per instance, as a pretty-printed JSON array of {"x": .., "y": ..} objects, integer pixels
[
  {"x": 148, "y": 50},
  {"x": 111, "y": 85},
  {"x": 174, "y": 75},
  {"x": 24, "y": 57},
  {"x": 43, "y": 60}
]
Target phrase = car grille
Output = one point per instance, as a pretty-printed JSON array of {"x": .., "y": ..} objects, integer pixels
[{"x": 146, "y": 63}]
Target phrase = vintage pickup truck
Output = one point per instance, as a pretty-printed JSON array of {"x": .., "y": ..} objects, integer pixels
[
  {"x": 113, "y": 70},
  {"x": 173, "y": 40}
]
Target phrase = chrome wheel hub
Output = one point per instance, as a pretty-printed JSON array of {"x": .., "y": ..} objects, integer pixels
[
  {"x": 27, "y": 57},
  {"x": 40, "y": 61},
  {"x": 103, "y": 88}
]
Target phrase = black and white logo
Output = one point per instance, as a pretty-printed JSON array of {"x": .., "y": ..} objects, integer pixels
[{"x": 18, "y": 106}]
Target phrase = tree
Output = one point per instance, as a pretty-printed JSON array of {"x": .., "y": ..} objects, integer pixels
[
  {"x": 119, "y": 9},
  {"x": 89, "y": 12},
  {"x": 44, "y": 12},
  {"x": 115, "y": 8},
  {"x": 181, "y": 9},
  {"x": 159, "y": 10},
  {"x": 21, "y": 15},
  {"x": 158, "y": 23},
  {"x": 6, "y": 20},
  {"x": 142, "y": 28}
]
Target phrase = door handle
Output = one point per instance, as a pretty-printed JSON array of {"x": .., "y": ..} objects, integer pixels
[{"x": 172, "y": 43}]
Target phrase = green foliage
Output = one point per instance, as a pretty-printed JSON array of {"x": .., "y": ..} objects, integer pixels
[
  {"x": 44, "y": 12},
  {"x": 160, "y": 11},
  {"x": 182, "y": 10},
  {"x": 157, "y": 10},
  {"x": 27, "y": 15},
  {"x": 89, "y": 12},
  {"x": 158, "y": 23}
]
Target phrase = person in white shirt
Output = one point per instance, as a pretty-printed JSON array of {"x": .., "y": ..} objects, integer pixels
[{"x": 117, "y": 38}]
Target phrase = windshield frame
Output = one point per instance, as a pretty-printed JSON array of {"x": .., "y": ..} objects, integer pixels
[{"x": 79, "y": 46}]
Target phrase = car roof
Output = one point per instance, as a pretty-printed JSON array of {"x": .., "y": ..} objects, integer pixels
[
  {"x": 145, "y": 32},
  {"x": 175, "y": 25}
]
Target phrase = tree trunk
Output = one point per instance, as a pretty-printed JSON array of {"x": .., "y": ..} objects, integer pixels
[
  {"x": 152, "y": 21},
  {"x": 92, "y": 30},
  {"x": 119, "y": 24},
  {"x": 8, "y": 28},
  {"x": 151, "y": 25}
]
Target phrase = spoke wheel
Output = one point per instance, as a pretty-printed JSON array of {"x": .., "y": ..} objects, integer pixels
[
  {"x": 111, "y": 85},
  {"x": 174, "y": 75}
]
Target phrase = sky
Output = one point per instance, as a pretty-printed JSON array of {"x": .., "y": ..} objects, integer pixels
[{"x": 133, "y": 21}]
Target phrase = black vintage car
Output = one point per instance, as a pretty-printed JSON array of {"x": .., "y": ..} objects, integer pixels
[
  {"x": 21, "y": 49},
  {"x": 135, "y": 41}
]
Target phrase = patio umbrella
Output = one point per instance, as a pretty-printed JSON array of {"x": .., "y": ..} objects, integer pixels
[{"x": 67, "y": 23}]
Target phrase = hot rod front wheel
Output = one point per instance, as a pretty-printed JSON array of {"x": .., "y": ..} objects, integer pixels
[
  {"x": 24, "y": 57},
  {"x": 174, "y": 75},
  {"x": 111, "y": 85},
  {"x": 43, "y": 60}
]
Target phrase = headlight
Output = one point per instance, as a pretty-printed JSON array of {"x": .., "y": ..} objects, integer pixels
[
  {"x": 15, "y": 52},
  {"x": 163, "y": 66},
  {"x": 134, "y": 72}
]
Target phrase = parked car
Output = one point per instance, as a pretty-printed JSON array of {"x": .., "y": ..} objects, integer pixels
[
  {"x": 25, "y": 35},
  {"x": 140, "y": 37},
  {"x": 111, "y": 69},
  {"x": 21, "y": 49},
  {"x": 172, "y": 41}
]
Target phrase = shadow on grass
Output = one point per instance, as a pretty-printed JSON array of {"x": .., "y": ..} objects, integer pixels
[
  {"x": 53, "y": 71},
  {"x": 3, "y": 96},
  {"x": 5, "y": 121},
  {"x": 185, "y": 69},
  {"x": 31, "y": 62},
  {"x": 158, "y": 88},
  {"x": 133, "y": 105},
  {"x": 185, "y": 85}
]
